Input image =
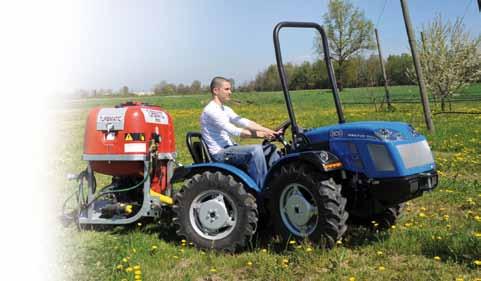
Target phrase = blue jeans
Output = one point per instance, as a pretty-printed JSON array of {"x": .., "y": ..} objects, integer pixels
[{"x": 250, "y": 155}]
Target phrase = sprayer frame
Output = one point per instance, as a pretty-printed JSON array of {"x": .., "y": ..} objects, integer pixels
[{"x": 90, "y": 216}]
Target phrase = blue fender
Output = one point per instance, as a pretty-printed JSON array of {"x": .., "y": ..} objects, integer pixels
[
  {"x": 184, "y": 172},
  {"x": 312, "y": 157}
]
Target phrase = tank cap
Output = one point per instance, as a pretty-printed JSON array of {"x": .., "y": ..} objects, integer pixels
[{"x": 131, "y": 103}]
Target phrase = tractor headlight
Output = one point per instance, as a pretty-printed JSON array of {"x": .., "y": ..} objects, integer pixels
[{"x": 388, "y": 134}]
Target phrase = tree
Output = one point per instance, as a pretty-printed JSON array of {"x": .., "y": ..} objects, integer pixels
[
  {"x": 159, "y": 88},
  {"x": 450, "y": 58},
  {"x": 396, "y": 69},
  {"x": 196, "y": 87},
  {"x": 349, "y": 32},
  {"x": 124, "y": 91},
  {"x": 370, "y": 71}
]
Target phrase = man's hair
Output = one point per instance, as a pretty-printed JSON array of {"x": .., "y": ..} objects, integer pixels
[{"x": 217, "y": 82}]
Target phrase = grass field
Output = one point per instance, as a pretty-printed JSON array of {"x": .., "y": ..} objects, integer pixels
[{"x": 437, "y": 238}]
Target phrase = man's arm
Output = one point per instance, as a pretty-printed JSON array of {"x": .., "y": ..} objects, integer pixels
[{"x": 250, "y": 128}]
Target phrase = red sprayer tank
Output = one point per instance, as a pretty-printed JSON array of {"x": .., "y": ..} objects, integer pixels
[{"x": 117, "y": 140}]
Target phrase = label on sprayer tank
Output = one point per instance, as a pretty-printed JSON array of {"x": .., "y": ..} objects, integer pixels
[
  {"x": 111, "y": 119},
  {"x": 155, "y": 116}
]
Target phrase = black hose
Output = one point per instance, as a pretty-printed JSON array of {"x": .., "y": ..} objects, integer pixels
[{"x": 102, "y": 193}]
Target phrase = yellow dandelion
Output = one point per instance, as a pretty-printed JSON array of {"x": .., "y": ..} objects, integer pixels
[
  {"x": 477, "y": 234},
  {"x": 478, "y": 218},
  {"x": 339, "y": 242},
  {"x": 175, "y": 257},
  {"x": 477, "y": 262},
  {"x": 379, "y": 253},
  {"x": 138, "y": 277},
  {"x": 446, "y": 217},
  {"x": 125, "y": 260},
  {"x": 437, "y": 258},
  {"x": 285, "y": 261},
  {"x": 138, "y": 272},
  {"x": 309, "y": 249},
  {"x": 134, "y": 250},
  {"x": 459, "y": 279},
  {"x": 439, "y": 238},
  {"x": 422, "y": 215},
  {"x": 352, "y": 278},
  {"x": 139, "y": 224},
  {"x": 408, "y": 224},
  {"x": 137, "y": 267},
  {"x": 423, "y": 209},
  {"x": 249, "y": 263},
  {"x": 183, "y": 241},
  {"x": 381, "y": 268},
  {"x": 213, "y": 270},
  {"x": 128, "y": 269},
  {"x": 264, "y": 250},
  {"x": 154, "y": 248},
  {"x": 119, "y": 267},
  {"x": 393, "y": 227},
  {"x": 292, "y": 242}
]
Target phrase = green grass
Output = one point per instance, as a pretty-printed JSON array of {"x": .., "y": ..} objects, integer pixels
[{"x": 445, "y": 223}]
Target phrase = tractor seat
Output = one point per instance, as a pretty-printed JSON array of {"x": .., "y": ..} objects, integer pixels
[
  {"x": 198, "y": 148},
  {"x": 200, "y": 153}
]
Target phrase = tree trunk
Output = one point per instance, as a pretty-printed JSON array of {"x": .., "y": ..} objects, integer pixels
[
  {"x": 339, "y": 77},
  {"x": 442, "y": 104}
]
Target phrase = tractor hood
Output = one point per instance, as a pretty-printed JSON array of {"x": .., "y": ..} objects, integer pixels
[
  {"x": 373, "y": 130},
  {"x": 375, "y": 148}
]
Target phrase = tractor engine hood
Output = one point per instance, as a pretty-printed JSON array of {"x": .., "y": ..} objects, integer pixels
[
  {"x": 375, "y": 130},
  {"x": 375, "y": 148}
]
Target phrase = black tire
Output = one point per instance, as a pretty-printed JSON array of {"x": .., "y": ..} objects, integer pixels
[
  {"x": 324, "y": 196},
  {"x": 380, "y": 221},
  {"x": 243, "y": 212}
]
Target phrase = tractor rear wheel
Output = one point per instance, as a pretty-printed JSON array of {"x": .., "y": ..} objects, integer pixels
[
  {"x": 305, "y": 205},
  {"x": 213, "y": 211}
]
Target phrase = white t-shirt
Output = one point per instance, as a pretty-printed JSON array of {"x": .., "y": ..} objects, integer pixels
[{"x": 218, "y": 123}]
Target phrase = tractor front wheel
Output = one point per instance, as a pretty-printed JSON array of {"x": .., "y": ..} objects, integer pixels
[
  {"x": 380, "y": 221},
  {"x": 213, "y": 211},
  {"x": 306, "y": 205}
]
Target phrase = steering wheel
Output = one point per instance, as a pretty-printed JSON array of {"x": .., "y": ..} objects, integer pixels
[
  {"x": 280, "y": 137},
  {"x": 284, "y": 125}
]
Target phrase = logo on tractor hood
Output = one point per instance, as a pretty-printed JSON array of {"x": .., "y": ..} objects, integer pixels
[{"x": 336, "y": 133}]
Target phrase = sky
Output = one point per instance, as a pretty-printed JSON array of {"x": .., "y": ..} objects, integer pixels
[
  {"x": 114, "y": 43},
  {"x": 140, "y": 43}
]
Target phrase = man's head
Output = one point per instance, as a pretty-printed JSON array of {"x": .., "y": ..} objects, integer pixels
[{"x": 220, "y": 88}]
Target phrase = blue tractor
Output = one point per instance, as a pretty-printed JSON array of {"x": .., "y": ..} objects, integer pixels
[{"x": 363, "y": 171}]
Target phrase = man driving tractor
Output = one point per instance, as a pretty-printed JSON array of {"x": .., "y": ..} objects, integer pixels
[{"x": 219, "y": 122}]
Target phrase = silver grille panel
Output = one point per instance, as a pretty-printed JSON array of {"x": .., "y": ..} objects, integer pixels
[
  {"x": 415, "y": 154},
  {"x": 380, "y": 157}
]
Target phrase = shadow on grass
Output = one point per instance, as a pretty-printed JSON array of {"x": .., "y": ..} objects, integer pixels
[
  {"x": 354, "y": 237},
  {"x": 358, "y": 236}
]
